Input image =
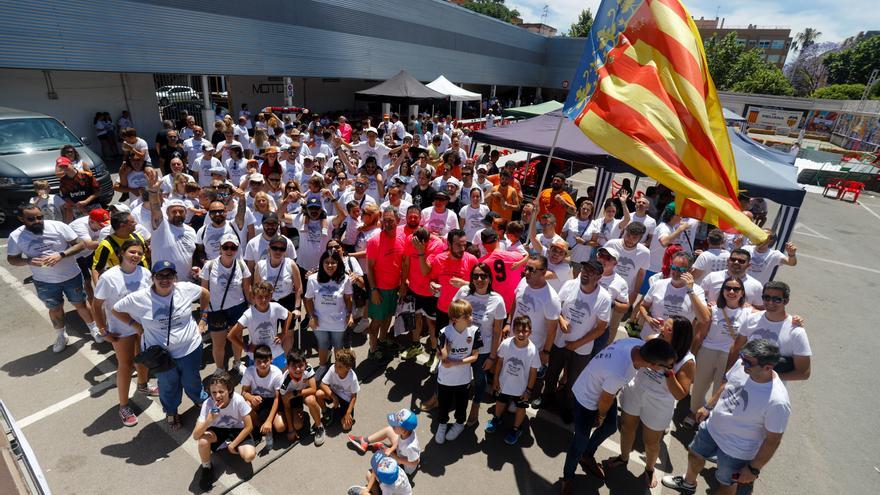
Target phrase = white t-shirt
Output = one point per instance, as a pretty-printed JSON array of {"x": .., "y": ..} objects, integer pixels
[
  {"x": 280, "y": 276},
  {"x": 630, "y": 261},
  {"x": 657, "y": 249},
  {"x": 577, "y": 228},
  {"x": 175, "y": 244},
  {"x": 562, "y": 271},
  {"x": 85, "y": 232},
  {"x": 518, "y": 362},
  {"x": 649, "y": 223},
  {"x": 653, "y": 383},
  {"x": 264, "y": 386},
  {"x": 313, "y": 239},
  {"x": 231, "y": 416},
  {"x": 539, "y": 305},
  {"x": 217, "y": 276},
  {"x": 193, "y": 148},
  {"x": 329, "y": 302},
  {"x": 762, "y": 264},
  {"x": 236, "y": 169},
  {"x": 487, "y": 308},
  {"x": 210, "y": 235},
  {"x": 792, "y": 341},
  {"x": 288, "y": 384},
  {"x": 51, "y": 206},
  {"x": 667, "y": 300},
  {"x": 223, "y": 149},
  {"x": 745, "y": 411},
  {"x": 583, "y": 312},
  {"x": 152, "y": 312},
  {"x": 344, "y": 387},
  {"x": 400, "y": 487},
  {"x": 721, "y": 335},
  {"x": 409, "y": 448},
  {"x": 262, "y": 327},
  {"x": 616, "y": 287},
  {"x": 56, "y": 237},
  {"x": 473, "y": 219},
  {"x": 203, "y": 167},
  {"x": 712, "y": 282},
  {"x": 380, "y": 151},
  {"x": 115, "y": 284},
  {"x": 167, "y": 185},
  {"x": 439, "y": 223},
  {"x": 461, "y": 345},
  {"x": 608, "y": 371},
  {"x": 258, "y": 249},
  {"x": 711, "y": 260},
  {"x": 607, "y": 230}
]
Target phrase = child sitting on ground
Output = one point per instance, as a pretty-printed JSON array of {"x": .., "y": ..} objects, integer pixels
[
  {"x": 340, "y": 386},
  {"x": 460, "y": 344},
  {"x": 401, "y": 432},
  {"x": 515, "y": 374},
  {"x": 385, "y": 473},
  {"x": 224, "y": 423},
  {"x": 259, "y": 387},
  {"x": 298, "y": 389}
]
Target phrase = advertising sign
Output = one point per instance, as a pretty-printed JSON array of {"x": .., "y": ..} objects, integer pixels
[{"x": 774, "y": 118}]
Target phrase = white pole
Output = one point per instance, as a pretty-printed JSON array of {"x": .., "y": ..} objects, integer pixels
[
  {"x": 207, "y": 111},
  {"x": 547, "y": 168}
]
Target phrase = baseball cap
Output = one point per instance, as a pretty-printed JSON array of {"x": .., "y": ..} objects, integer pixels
[
  {"x": 257, "y": 178},
  {"x": 488, "y": 236},
  {"x": 313, "y": 203},
  {"x": 174, "y": 202},
  {"x": 235, "y": 145},
  {"x": 63, "y": 161},
  {"x": 309, "y": 158},
  {"x": 387, "y": 471},
  {"x": 207, "y": 147},
  {"x": 592, "y": 265},
  {"x": 559, "y": 175},
  {"x": 217, "y": 171},
  {"x": 163, "y": 265},
  {"x": 670, "y": 207},
  {"x": 270, "y": 217},
  {"x": 441, "y": 195},
  {"x": 454, "y": 182},
  {"x": 371, "y": 129},
  {"x": 100, "y": 215},
  {"x": 609, "y": 250},
  {"x": 403, "y": 418},
  {"x": 288, "y": 126},
  {"x": 120, "y": 208},
  {"x": 229, "y": 237},
  {"x": 320, "y": 156},
  {"x": 483, "y": 167},
  {"x": 284, "y": 147},
  {"x": 560, "y": 243}
]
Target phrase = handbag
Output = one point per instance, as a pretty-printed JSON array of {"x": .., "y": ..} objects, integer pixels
[
  {"x": 156, "y": 357},
  {"x": 217, "y": 319}
]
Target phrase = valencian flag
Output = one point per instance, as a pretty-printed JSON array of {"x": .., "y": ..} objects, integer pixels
[{"x": 642, "y": 92}]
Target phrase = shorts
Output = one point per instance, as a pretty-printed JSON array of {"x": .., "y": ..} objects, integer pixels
[
  {"x": 297, "y": 403},
  {"x": 426, "y": 305},
  {"x": 645, "y": 282},
  {"x": 385, "y": 309},
  {"x": 227, "y": 435},
  {"x": 442, "y": 320},
  {"x": 85, "y": 266},
  {"x": 704, "y": 446},
  {"x": 516, "y": 399},
  {"x": 288, "y": 302},
  {"x": 328, "y": 339},
  {"x": 264, "y": 409},
  {"x": 53, "y": 293},
  {"x": 231, "y": 316},
  {"x": 655, "y": 414}
]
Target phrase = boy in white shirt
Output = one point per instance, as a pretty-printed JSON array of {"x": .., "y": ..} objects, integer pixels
[
  {"x": 340, "y": 386},
  {"x": 298, "y": 389},
  {"x": 260, "y": 387},
  {"x": 401, "y": 432},
  {"x": 515, "y": 373},
  {"x": 460, "y": 344}
]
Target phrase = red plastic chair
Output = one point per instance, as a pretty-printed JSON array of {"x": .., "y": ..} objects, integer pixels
[
  {"x": 836, "y": 184},
  {"x": 853, "y": 187}
]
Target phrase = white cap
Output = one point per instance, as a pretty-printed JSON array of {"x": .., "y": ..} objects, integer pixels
[
  {"x": 217, "y": 170},
  {"x": 611, "y": 251},
  {"x": 257, "y": 178},
  {"x": 228, "y": 237},
  {"x": 371, "y": 129},
  {"x": 453, "y": 181},
  {"x": 174, "y": 202},
  {"x": 320, "y": 156},
  {"x": 482, "y": 166},
  {"x": 121, "y": 208}
]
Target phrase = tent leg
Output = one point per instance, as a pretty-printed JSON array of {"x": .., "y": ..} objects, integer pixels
[
  {"x": 547, "y": 167},
  {"x": 603, "y": 186},
  {"x": 783, "y": 225}
]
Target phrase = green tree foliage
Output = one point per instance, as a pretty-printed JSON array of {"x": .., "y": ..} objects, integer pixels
[
  {"x": 854, "y": 65},
  {"x": 805, "y": 39},
  {"x": 492, "y": 8},
  {"x": 735, "y": 68},
  {"x": 845, "y": 92},
  {"x": 581, "y": 28},
  {"x": 768, "y": 81}
]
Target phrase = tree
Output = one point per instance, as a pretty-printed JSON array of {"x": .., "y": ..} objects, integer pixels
[
  {"x": 492, "y": 8},
  {"x": 722, "y": 55},
  {"x": 854, "y": 65},
  {"x": 807, "y": 71},
  {"x": 735, "y": 68},
  {"x": 840, "y": 92},
  {"x": 768, "y": 81},
  {"x": 805, "y": 39},
  {"x": 581, "y": 28}
]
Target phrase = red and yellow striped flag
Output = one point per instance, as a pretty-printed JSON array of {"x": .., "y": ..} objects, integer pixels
[{"x": 643, "y": 93}]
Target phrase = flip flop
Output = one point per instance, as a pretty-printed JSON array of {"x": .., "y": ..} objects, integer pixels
[{"x": 650, "y": 480}]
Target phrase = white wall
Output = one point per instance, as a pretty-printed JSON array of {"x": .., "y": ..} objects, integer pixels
[
  {"x": 314, "y": 93},
  {"x": 80, "y": 95}
]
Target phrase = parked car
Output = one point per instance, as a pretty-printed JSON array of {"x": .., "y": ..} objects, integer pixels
[
  {"x": 173, "y": 111},
  {"x": 170, "y": 94},
  {"x": 29, "y": 145}
]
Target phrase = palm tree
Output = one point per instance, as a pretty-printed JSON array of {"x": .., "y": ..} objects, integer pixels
[{"x": 805, "y": 39}]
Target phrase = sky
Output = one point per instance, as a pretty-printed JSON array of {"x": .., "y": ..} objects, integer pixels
[{"x": 835, "y": 19}]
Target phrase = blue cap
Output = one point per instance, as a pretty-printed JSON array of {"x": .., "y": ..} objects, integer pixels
[
  {"x": 374, "y": 461},
  {"x": 387, "y": 471},
  {"x": 404, "y": 419},
  {"x": 313, "y": 203},
  {"x": 163, "y": 265}
]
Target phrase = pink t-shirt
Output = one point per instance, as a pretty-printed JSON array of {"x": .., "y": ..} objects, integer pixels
[
  {"x": 443, "y": 268},
  {"x": 418, "y": 283},
  {"x": 388, "y": 253},
  {"x": 504, "y": 277}
]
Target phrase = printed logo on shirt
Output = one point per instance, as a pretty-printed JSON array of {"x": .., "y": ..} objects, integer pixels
[
  {"x": 735, "y": 397},
  {"x": 626, "y": 262},
  {"x": 514, "y": 366},
  {"x": 525, "y": 304},
  {"x": 265, "y": 330},
  {"x": 765, "y": 333},
  {"x": 674, "y": 304}
]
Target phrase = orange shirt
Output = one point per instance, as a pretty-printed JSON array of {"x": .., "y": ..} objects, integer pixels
[
  {"x": 547, "y": 203},
  {"x": 456, "y": 171},
  {"x": 509, "y": 196},
  {"x": 495, "y": 179}
]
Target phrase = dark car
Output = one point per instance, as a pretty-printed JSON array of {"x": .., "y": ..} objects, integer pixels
[{"x": 29, "y": 145}]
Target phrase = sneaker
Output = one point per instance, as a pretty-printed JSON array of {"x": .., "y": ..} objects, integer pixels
[
  {"x": 375, "y": 354},
  {"x": 689, "y": 422},
  {"x": 360, "y": 443},
  {"x": 493, "y": 424},
  {"x": 678, "y": 483},
  {"x": 378, "y": 446},
  {"x": 239, "y": 368},
  {"x": 440, "y": 436},
  {"x": 413, "y": 352},
  {"x": 455, "y": 431},
  {"x": 206, "y": 478},
  {"x": 435, "y": 363},
  {"x": 127, "y": 416},
  {"x": 270, "y": 441},
  {"x": 355, "y": 490},
  {"x": 513, "y": 437},
  {"x": 60, "y": 342},
  {"x": 319, "y": 436},
  {"x": 362, "y": 325},
  {"x": 96, "y": 334},
  {"x": 327, "y": 416},
  {"x": 148, "y": 390}
]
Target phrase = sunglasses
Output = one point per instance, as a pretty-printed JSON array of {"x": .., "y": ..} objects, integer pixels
[
  {"x": 229, "y": 247},
  {"x": 278, "y": 248},
  {"x": 775, "y": 299},
  {"x": 679, "y": 269},
  {"x": 480, "y": 276},
  {"x": 731, "y": 288},
  {"x": 34, "y": 219},
  {"x": 360, "y": 184},
  {"x": 745, "y": 361},
  {"x": 530, "y": 269},
  {"x": 738, "y": 261},
  {"x": 217, "y": 212}
]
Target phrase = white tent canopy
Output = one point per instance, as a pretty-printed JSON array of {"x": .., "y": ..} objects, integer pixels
[{"x": 445, "y": 86}]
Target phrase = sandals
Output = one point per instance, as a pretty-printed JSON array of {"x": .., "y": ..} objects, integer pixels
[{"x": 173, "y": 421}]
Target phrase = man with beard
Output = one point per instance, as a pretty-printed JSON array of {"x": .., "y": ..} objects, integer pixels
[
  {"x": 258, "y": 247},
  {"x": 174, "y": 239},
  {"x": 676, "y": 295},
  {"x": 738, "y": 263},
  {"x": 556, "y": 201},
  {"x": 411, "y": 223},
  {"x": 208, "y": 237},
  {"x": 49, "y": 249},
  {"x": 384, "y": 273}
]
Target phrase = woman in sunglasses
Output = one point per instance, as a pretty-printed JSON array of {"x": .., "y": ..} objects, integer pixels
[
  {"x": 228, "y": 280},
  {"x": 283, "y": 274},
  {"x": 713, "y": 342},
  {"x": 76, "y": 161},
  {"x": 651, "y": 396}
]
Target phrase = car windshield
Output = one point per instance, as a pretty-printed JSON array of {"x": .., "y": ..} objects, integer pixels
[{"x": 29, "y": 135}]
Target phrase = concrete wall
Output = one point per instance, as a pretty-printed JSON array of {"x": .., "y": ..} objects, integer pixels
[{"x": 80, "y": 95}]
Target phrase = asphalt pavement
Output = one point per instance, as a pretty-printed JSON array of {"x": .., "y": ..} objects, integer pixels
[{"x": 66, "y": 403}]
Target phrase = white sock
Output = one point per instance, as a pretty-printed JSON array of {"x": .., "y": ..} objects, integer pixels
[
  {"x": 92, "y": 326},
  {"x": 206, "y": 464},
  {"x": 62, "y": 330}
]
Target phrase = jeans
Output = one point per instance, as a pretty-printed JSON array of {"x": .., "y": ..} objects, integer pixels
[
  {"x": 583, "y": 443},
  {"x": 479, "y": 377},
  {"x": 184, "y": 376},
  {"x": 573, "y": 363}
]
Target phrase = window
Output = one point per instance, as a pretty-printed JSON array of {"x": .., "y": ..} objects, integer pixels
[
  {"x": 774, "y": 58},
  {"x": 740, "y": 42},
  {"x": 30, "y": 135},
  {"x": 764, "y": 44},
  {"x": 777, "y": 44},
  {"x": 752, "y": 43}
]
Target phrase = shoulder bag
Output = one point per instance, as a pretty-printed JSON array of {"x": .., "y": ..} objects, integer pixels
[
  {"x": 156, "y": 357},
  {"x": 217, "y": 319}
]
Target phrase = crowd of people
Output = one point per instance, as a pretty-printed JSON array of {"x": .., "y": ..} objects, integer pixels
[{"x": 288, "y": 234}]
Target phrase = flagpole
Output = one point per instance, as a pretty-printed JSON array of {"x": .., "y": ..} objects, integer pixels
[{"x": 546, "y": 168}]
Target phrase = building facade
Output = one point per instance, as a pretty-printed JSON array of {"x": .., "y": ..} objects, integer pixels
[{"x": 774, "y": 42}]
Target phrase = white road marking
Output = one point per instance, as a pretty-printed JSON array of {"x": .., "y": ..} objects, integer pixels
[
  {"x": 835, "y": 262},
  {"x": 811, "y": 233},
  {"x": 872, "y": 212},
  {"x": 61, "y": 405},
  {"x": 154, "y": 411}
]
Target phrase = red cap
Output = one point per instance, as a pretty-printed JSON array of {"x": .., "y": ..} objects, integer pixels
[
  {"x": 100, "y": 215},
  {"x": 63, "y": 161}
]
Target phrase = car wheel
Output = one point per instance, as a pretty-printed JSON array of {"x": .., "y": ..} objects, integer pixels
[{"x": 163, "y": 101}]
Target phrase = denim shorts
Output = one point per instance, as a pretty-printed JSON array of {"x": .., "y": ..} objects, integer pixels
[
  {"x": 327, "y": 339},
  {"x": 53, "y": 294},
  {"x": 704, "y": 446},
  {"x": 231, "y": 315}
]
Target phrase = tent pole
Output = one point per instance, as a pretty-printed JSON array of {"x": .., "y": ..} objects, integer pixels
[{"x": 547, "y": 167}]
